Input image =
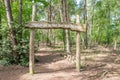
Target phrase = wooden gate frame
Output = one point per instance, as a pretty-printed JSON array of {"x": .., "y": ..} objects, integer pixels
[{"x": 54, "y": 25}]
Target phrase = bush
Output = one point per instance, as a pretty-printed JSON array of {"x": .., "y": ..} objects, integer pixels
[
  {"x": 23, "y": 53},
  {"x": 6, "y": 56}
]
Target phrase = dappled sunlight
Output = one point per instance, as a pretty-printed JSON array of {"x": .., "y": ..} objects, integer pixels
[
  {"x": 100, "y": 66},
  {"x": 59, "y": 39},
  {"x": 52, "y": 66}
]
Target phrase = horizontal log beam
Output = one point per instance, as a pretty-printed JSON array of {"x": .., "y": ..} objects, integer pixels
[{"x": 55, "y": 25}]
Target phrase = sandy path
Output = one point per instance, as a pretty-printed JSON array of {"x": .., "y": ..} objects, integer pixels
[{"x": 53, "y": 66}]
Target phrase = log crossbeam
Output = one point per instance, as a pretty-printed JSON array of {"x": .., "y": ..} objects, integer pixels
[{"x": 55, "y": 25}]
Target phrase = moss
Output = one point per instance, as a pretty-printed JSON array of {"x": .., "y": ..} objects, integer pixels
[{"x": 31, "y": 72}]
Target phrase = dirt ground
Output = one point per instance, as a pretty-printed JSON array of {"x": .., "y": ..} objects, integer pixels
[{"x": 98, "y": 63}]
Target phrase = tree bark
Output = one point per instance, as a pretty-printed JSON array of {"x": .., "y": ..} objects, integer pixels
[
  {"x": 109, "y": 21},
  {"x": 0, "y": 14},
  {"x": 93, "y": 5},
  {"x": 20, "y": 20},
  {"x": 1, "y": 2},
  {"x": 0, "y": 27},
  {"x": 65, "y": 19},
  {"x": 85, "y": 22},
  {"x": 11, "y": 32},
  {"x": 55, "y": 25},
  {"x": 62, "y": 20},
  {"x": 92, "y": 24},
  {"x": 34, "y": 12},
  {"x": 50, "y": 31}
]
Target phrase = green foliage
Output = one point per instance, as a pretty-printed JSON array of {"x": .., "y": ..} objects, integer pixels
[
  {"x": 6, "y": 56},
  {"x": 23, "y": 51}
]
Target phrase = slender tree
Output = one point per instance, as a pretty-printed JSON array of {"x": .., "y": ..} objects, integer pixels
[
  {"x": 64, "y": 18},
  {"x": 10, "y": 25},
  {"x": 50, "y": 31},
  {"x": 109, "y": 21},
  {"x": 85, "y": 22},
  {"x": 20, "y": 19},
  {"x": 0, "y": 14}
]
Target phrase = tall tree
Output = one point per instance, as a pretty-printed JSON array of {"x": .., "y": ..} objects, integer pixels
[
  {"x": 0, "y": 27},
  {"x": 109, "y": 22},
  {"x": 64, "y": 18},
  {"x": 10, "y": 25},
  {"x": 91, "y": 20},
  {"x": 50, "y": 18},
  {"x": 85, "y": 22},
  {"x": 20, "y": 19}
]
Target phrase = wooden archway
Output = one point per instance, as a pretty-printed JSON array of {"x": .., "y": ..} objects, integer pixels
[{"x": 53, "y": 25}]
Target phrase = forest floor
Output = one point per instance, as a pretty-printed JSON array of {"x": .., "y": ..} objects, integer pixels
[{"x": 98, "y": 63}]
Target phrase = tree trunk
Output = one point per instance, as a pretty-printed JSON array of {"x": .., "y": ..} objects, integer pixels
[
  {"x": 62, "y": 20},
  {"x": 85, "y": 22},
  {"x": 0, "y": 23},
  {"x": 92, "y": 25},
  {"x": 67, "y": 31},
  {"x": 50, "y": 31},
  {"x": 34, "y": 12},
  {"x": 20, "y": 21},
  {"x": 65, "y": 19},
  {"x": 93, "y": 5},
  {"x": 11, "y": 32},
  {"x": 0, "y": 27},
  {"x": 109, "y": 21}
]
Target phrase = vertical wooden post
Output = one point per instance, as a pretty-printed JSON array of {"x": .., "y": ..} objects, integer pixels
[
  {"x": 31, "y": 54},
  {"x": 67, "y": 41},
  {"x": 78, "y": 51},
  {"x": 78, "y": 57}
]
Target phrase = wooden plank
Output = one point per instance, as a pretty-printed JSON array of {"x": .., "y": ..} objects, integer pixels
[
  {"x": 55, "y": 25},
  {"x": 78, "y": 52},
  {"x": 31, "y": 54}
]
